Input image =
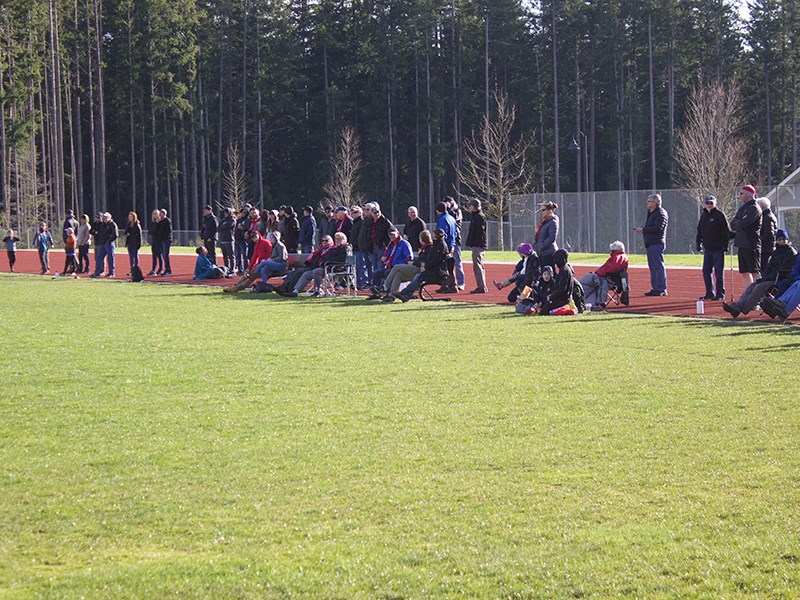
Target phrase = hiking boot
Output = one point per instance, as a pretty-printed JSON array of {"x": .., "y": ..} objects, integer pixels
[{"x": 731, "y": 309}]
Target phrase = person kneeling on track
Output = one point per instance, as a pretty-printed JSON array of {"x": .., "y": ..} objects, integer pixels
[{"x": 433, "y": 266}]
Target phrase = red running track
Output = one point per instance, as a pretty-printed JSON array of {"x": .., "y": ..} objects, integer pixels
[{"x": 684, "y": 284}]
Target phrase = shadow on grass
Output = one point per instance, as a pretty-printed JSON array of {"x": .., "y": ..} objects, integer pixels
[{"x": 729, "y": 327}]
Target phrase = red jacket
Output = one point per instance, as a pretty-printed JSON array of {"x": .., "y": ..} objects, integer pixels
[
  {"x": 261, "y": 251},
  {"x": 616, "y": 263}
]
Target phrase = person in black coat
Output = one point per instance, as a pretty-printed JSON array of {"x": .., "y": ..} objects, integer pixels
[
  {"x": 291, "y": 230},
  {"x": 225, "y": 233},
  {"x": 713, "y": 237},
  {"x": 654, "y": 234},
  {"x": 133, "y": 238},
  {"x": 476, "y": 240},
  {"x": 433, "y": 266},
  {"x": 769, "y": 227},
  {"x": 155, "y": 243},
  {"x": 165, "y": 235},
  {"x": 413, "y": 228},
  {"x": 562, "y": 284},
  {"x": 746, "y": 234},
  {"x": 208, "y": 231}
]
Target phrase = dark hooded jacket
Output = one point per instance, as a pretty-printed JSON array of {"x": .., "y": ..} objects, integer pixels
[{"x": 563, "y": 281}]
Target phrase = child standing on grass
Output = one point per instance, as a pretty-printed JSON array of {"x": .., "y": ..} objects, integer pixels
[
  {"x": 43, "y": 241},
  {"x": 11, "y": 247},
  {"x": 70, "y": 265}
]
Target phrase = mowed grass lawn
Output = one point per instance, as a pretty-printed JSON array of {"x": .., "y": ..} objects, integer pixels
[{"x": 165, "y": 440}]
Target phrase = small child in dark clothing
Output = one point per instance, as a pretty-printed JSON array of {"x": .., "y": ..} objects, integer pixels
[
  {"x": 11, "y": 247},
  {"x": 70, "y": 264},
  {"x": 543, "y": 286}
]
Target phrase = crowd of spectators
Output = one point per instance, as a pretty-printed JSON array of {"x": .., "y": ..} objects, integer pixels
[{"x": 256, "y": 245}]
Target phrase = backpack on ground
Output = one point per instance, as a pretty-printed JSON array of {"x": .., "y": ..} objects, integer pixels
[{"x": 136, "y": 274}]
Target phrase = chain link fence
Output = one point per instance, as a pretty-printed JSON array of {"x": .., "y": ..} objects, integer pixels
[{"x": 590, "y": 221}]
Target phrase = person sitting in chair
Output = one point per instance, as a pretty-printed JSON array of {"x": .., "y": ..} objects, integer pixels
[
  {"x": 778, "y": 271},
  {"x": 433, "y": 266},
  {"x": 398, "y": 252},
  {"x": 595, "y": 284},
  {"x": 401, "y": 273},
  {"x": 329, "y": 252}
]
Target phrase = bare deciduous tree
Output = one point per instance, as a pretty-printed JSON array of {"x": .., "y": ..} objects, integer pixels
[
  {"x": 711, "y": 153},
  {"x": 494, "y": 167},
  {"x": 343, "y": 184},
  {"x": 234, "y": 189}
]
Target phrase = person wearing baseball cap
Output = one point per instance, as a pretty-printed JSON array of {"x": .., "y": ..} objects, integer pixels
[
  {"x": 746, "y": 234},
  {"x": 713, "y": 238}
]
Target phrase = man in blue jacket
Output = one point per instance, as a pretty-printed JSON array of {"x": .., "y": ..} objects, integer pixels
[
  {"x": 655, "y": 242},
  {"x": 446, "y": 222},
  {"x": 308, "y": 231}
]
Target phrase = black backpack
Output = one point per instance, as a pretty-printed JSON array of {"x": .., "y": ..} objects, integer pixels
[{"x": 136, "y": 274}]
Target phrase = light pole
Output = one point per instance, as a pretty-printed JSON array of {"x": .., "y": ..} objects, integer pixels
[{"x": 576, "y": 146}]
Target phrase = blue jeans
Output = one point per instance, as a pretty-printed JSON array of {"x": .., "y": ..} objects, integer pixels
[
  {"x": 99, "y": 260},
  {"x": 306, "y": 248},
  {"x": 791, "y": 297},
  {"x": 714, "y": 260},
  {"x": 377, "y": 255},
  {"x": 658, "y": 272},
  {"x": 363, "y": 268},
  {"x": 110, "y": 257},
  {"x": 165, "y": 246},
  {"x": 240, "y": 252},
  {"x": 378, "y": 277},
  {"x": 459, "y": 267},
  {"x": 267, "y": 267},
  {"x": 133, "y": 256}
]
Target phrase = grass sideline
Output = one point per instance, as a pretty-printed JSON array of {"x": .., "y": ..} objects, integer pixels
[{"x": 163, "y": 440}]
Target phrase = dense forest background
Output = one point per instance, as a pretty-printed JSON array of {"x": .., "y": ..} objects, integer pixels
[{"x": 134, "y": 104}]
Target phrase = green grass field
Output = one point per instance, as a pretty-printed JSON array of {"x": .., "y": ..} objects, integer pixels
[{"x": 165, "y": 440}]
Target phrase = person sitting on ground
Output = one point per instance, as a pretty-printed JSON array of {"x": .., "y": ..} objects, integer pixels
[
  {"x": 433, "y": 266},
  {"x": 204, "y": 268},
  {"x": 595, "y": 284},
  {"x": 543, "y": 286},
  {"x": 526, "y": 271},
  {"x": 398, "y": 252},
  {"x": 778, "y": 270},
  {"x": 262, "y": 250},
  {"x": 402, "y": 273},
  {"x": 329, "y": 253},
  {"x": 562, "y": 284}
]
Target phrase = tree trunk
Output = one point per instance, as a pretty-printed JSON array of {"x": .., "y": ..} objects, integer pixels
[
  {"x": 653, "y": 184},
  {"x": 556, "y": 140},
  {"x": 100, "y": 129}
]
